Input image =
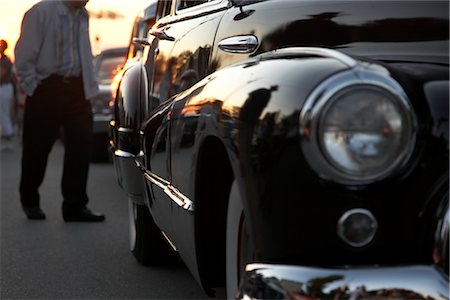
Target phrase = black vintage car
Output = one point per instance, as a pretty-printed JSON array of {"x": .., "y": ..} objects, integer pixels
[{"x": 298, "y": 149}]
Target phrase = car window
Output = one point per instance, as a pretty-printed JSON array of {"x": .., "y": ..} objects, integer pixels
[
  {"x": 163, "y": 9},
  {"x": 108, "y": 68},
  {"x": 189, "y": 3},
  {"x": 183, "y": 4}
]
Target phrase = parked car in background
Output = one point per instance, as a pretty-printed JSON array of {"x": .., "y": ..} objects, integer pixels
[
  {"x": 106, "y": 65},
  {"x": 299, "y": 149},
  {"x": 138, "y": 47}
]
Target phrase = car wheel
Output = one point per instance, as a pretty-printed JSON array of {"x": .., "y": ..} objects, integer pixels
[
  {"x": 100, "y": 151},
  {"x": 147, "y": 243},
  {"x": 239, "y": 248}
]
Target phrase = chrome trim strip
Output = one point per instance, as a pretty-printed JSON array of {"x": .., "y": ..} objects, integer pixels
[
  {"x": 125, "y": 129},
  {"x": 179, "y": 198},
  {"x": 125, "y": 154},
  {"x": 239, "y": 44},
  {"x": 208, "y": 7},
  {"x": 172, "y": 245},
  {"x": 323, "y": 52},
  {"x": 267, "y": 281}
]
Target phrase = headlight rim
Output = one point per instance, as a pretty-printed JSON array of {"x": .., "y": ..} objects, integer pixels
[{"x": 320, "y": 99}]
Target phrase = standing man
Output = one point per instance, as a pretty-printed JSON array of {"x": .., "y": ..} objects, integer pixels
[{"x": 55, "y": 69}]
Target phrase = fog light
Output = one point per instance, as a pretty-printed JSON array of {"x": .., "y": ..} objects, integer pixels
[{"x": 357, "y": 227}]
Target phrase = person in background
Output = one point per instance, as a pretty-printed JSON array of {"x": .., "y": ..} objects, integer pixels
[
  {"x": 55, "y": 69},
  {"x": 8, "y": 96}
]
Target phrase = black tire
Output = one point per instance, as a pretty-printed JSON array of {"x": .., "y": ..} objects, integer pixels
[
  {"x": 147, "y": 243},
  {"x": 100, "y": 148},
  {"x": 239, "y": 248}
]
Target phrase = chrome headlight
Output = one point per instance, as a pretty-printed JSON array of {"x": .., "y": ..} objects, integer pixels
[{"x": 357, "y": 127}]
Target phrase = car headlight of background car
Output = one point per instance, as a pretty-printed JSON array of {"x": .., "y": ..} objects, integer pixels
[{"x": 357, "y": 127}]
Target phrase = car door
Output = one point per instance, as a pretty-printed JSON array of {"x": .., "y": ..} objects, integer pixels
[
  {"x": 181, "y": 48},
  {"x": 183, "y": 42}
]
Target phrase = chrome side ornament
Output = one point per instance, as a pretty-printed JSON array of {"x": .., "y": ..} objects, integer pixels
[{"x": 177, "y": 197}]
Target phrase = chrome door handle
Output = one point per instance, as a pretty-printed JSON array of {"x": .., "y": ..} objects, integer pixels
[
  {"x": 161, "y": 35},
  {"x": 239, "y": 44}
]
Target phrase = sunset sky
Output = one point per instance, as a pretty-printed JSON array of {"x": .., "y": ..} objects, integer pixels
[{"x": 111, "y": 33}]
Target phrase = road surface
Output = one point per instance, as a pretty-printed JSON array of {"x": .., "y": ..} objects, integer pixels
[{"x": 51, "y": 259}]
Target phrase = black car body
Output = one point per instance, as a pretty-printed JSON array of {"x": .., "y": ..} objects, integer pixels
[
  {"x": 299, "y": 147},
  {"x": 136, "y": 52}
]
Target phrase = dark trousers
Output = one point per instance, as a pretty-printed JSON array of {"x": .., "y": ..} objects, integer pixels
[{"x": 57, "y": 103}]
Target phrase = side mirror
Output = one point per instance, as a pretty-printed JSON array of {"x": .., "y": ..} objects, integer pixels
[{"x": 141, "y": 41}]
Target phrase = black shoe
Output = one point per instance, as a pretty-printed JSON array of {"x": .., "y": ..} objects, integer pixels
[
  {"x": 84, "y": 215},
  {"x": 34, "y": 213}
]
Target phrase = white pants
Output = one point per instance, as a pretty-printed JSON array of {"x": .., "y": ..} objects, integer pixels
[{"x": 6, "y": 108}]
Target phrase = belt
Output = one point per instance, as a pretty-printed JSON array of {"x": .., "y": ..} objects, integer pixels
[{"x": 65, "y": 79}]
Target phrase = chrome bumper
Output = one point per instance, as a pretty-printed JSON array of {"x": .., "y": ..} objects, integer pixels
[
  {"x": 266, "y": 281},
  {"x": 129, "y": 175}
]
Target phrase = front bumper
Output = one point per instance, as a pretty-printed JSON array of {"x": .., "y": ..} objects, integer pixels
[
  {"x": 128, "y": 174},
  {"x": 268, "y": 281}
]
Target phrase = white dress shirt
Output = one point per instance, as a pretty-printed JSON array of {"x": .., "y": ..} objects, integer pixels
[{"x": 41, "y": 50}]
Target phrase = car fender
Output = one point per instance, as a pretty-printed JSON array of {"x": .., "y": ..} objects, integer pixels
[
  {"x": 220, "y": 110},
  {"x": 131, "y": 100},
  {"x": 129, "y": 110}
]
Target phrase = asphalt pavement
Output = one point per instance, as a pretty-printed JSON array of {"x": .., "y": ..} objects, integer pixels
[{"x": 52, "y": 259}]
